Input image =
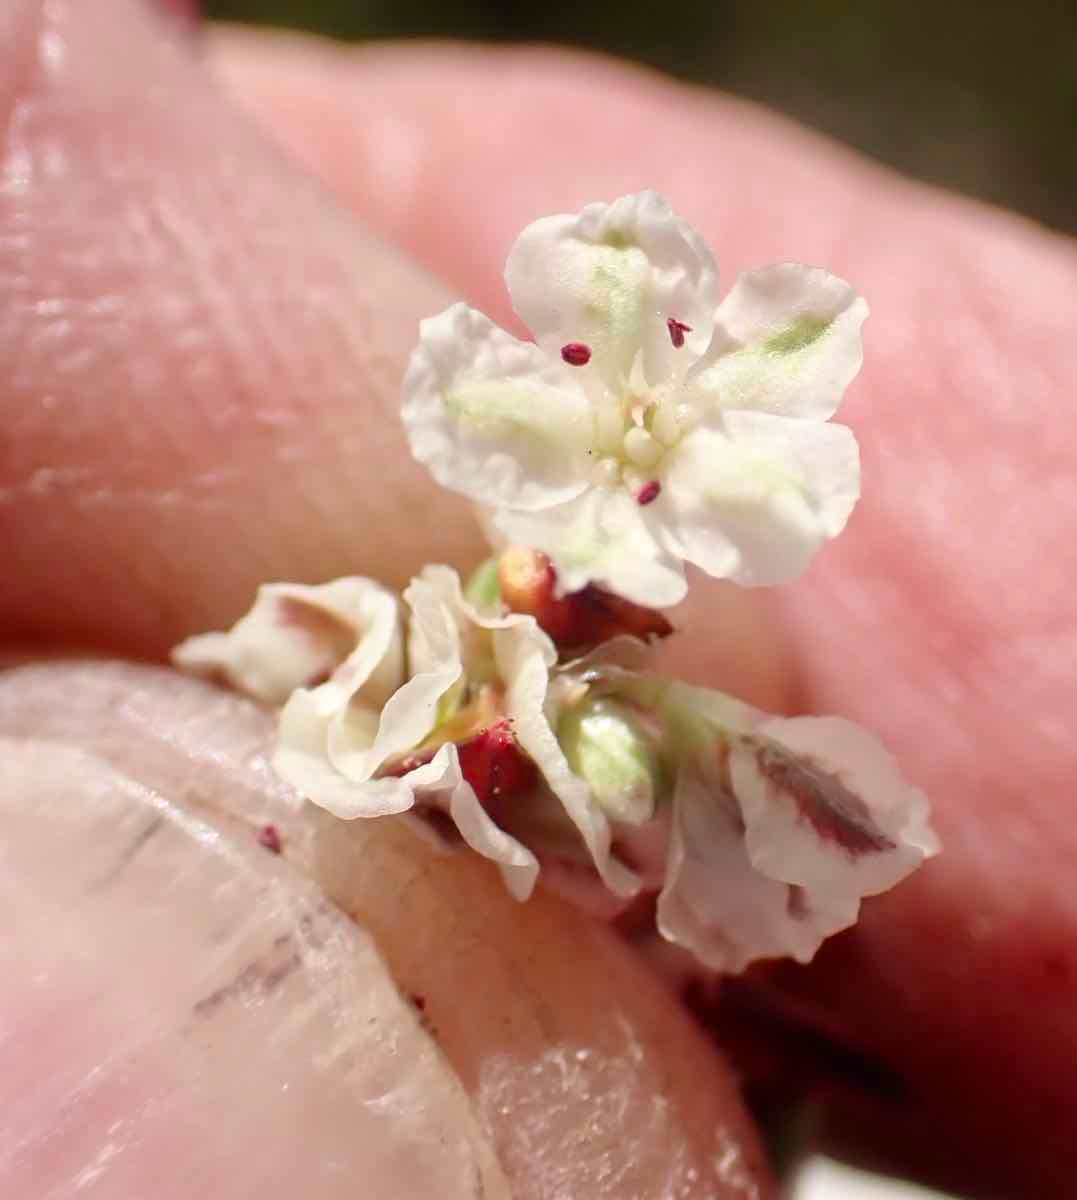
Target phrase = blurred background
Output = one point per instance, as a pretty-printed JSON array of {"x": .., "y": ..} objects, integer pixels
[{"x": 979, "y": 97}]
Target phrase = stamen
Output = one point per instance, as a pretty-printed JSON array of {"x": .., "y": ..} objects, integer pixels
[
  {"x": 609, "y": 428},
  {"x": 641, "y": 448},
  {"x": 677, "y": 330},
  {"x": 648, "y": 493},
  {"x": 664, "y": 425},
  {"x": 576, "y": 354}
]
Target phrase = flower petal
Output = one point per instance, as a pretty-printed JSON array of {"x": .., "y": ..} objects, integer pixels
[
  {"x": 443, "y": 583},
  {"x": 332, "y": 741},
  {"x": 518, "y": 866},
  {"x": 602, "y": 537},
  {"x": 787, "y": 342},
  {"x": 717, "y": 905},
  {"x": 754, "y": 503},
  {"x": 493, "y": 417},
  {"x": 302, "y": 759},
  {"x": 611, "y": 277},
  {"x": 295, "y": 635},
  {"x": 525, "y": 669},
  {"x": 826, "y": 808}
]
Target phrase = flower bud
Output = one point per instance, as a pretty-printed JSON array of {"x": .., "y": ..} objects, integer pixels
[
  {"x": 528, "y": 584},
  {"x": 606, "y": 744},
  {"x": 483, "y": 588}
]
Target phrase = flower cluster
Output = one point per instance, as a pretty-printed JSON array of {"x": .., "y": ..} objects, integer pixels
[{"x": 647, "y": 426}]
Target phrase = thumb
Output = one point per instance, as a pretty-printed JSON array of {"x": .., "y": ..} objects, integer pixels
[{"x": 226, "y": 1021}]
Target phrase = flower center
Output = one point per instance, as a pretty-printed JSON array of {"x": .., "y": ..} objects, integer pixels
[{"x": 633, "y": 435}]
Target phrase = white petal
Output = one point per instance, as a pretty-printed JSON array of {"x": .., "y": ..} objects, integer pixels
[
  {"x": 525, "y": 669},
  {"x": 519, "y": 867},
  {"x": 302, "y": 759},
  {"x": 493, "y": 417},
  {"x": 442, "y": 585},
  {"x": 435, "y": 653},
  {"x": 755, "y": 503},
  {"x": 825, "y": 807},
  {"x": 295, "y": 635},
  {"x": 787, "y": 342},
  {"x": 611, "y": 277},
  {"x": 601, "y": 538},
  {"x": 716, "y": 905}
]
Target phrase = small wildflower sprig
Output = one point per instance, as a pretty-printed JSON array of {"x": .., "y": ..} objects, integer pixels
[{"x": 648, "y": 426}]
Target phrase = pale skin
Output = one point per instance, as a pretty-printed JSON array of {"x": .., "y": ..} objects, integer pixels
[{"x": 200, "y": 349}]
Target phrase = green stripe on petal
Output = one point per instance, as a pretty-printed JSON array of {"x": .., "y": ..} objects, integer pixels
[
  {"x": 788, "y": 343},
  {"x": 493, "y": 417}
]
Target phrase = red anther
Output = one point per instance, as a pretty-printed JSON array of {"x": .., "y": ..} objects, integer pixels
[
  {"x": 269, "y": 836},
  {"x": 576, "y": 354},
  {"x": 677, "y": 330},
  {"x": 648, "y": 493}
]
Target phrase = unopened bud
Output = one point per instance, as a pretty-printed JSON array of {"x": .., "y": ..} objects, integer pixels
[
  {"x": 528, "y": 584},
  {"x": 483, "y": 589},
  {"x": 606, "y": 744}
]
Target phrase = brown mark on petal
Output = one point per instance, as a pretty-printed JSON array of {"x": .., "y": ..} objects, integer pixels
[
  {"x": 677, "y": 330},
  {"x": 837, "y": 814},
  {"x": 329, "y": 633}
]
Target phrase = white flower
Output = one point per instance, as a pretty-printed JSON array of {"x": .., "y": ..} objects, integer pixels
[
  {"x": 646, "y": 426},
  {"x": 361, "y": 761},
  {"x": 778, "y": 832},
  {"x": 296, "y": 636}
]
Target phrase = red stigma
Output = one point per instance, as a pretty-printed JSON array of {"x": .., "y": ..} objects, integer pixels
[
  {"x": 576, "y": 354},
  {"x": 677, "y": 330},
  {"x": 269, "y": 836},
  {"x": 648, "y": 493},
  {"x": 494, "y": 764}
]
